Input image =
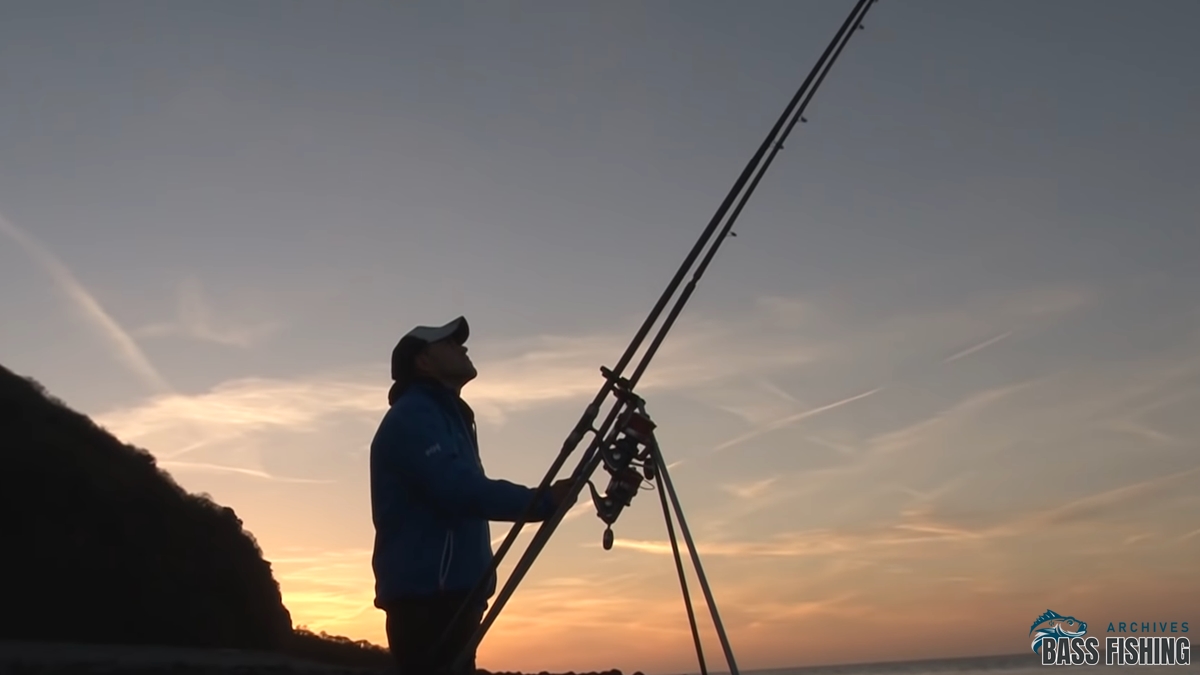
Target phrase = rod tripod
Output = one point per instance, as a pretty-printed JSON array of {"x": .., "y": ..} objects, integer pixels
[{"x": 639, "y": 448}]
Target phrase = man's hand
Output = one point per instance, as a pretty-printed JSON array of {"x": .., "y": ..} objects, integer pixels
[{"x": 559, "y": 490}]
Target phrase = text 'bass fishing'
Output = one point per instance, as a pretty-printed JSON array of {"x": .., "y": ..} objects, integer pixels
[
  {"x": 1063, "y": 641},
  {"x": 1118, "y": 651}
]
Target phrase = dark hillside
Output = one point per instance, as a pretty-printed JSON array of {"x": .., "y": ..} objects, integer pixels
[{"x": 100, "y": 546}]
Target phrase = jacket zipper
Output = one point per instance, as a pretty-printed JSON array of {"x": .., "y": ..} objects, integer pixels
[{"x": 447, "y": 558}]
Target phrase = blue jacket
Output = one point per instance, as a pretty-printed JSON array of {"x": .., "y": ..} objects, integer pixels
[{"x": 431, "y": 500}]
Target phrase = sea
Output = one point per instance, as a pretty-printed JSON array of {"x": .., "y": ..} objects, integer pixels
[{"x": 1014, "y": 664}]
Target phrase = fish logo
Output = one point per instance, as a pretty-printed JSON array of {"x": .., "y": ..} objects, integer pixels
[{"x": 1051, "y": 624}]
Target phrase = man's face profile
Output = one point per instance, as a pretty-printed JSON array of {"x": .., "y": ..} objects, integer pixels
[{"x": 447, "y": 361}]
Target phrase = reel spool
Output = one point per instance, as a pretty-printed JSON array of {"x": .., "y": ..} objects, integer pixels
[{"x": 621, "y": 459}]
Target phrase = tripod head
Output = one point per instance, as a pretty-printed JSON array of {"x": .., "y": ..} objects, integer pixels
[{"x": 621, "y": 458}]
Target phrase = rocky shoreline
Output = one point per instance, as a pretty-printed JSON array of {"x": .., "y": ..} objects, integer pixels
[
  {"x": 544, "y": 672},
  {"x": 117, "y": 668},
  {"x": 47, "y": 658}
]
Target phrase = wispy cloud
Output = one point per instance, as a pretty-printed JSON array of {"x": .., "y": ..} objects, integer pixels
[
  {"x": 844, "y": 448},
  {"x": 793, "y": 418},
  {"x": 698, "y": 352},
  {"x": 981, "y": 346},
  {"x": 1098, "y": 505},
  {"x": 914, "y": 531},
  {"x": 959, "y": 413},
  {"x": 759, "y": 402},
  {"x": 905, "y": 332},
  {"x": 330, "y": 588},
  {"x": 236, "y": 408},
  {"x": 218, "y": 468},
  {"x": 1142, "y": 431},
  {"x": 197, "y": 320},
  {"x": 224, "y": 429},
  {"x": 124, "y": 346},
  {"x": 527, "y": 373},
  {"x": 571, "y": 602},
  {"x": 923, "y": 498},
  {"x": 911, "y": 531},
  {"x": 541, "y": 370},
  {"x": 1023, "y": 435},
  {"x": 771, "y": 612},
  {"x": 749, "y": 490}
]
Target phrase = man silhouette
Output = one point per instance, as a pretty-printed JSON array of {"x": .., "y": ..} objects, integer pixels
[{"x": 431, "y": 501}]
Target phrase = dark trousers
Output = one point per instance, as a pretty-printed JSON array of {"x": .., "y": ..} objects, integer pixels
[{"x": 414, "y": 626}]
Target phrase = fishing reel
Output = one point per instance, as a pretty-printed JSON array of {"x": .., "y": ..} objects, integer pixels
[{"x": 628, "y": 460}]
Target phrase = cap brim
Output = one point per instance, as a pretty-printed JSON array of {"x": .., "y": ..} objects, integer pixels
[{"x": 457, "y": 330}]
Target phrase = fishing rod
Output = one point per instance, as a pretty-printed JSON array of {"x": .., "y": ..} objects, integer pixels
[{"x": 628, "y": 406}]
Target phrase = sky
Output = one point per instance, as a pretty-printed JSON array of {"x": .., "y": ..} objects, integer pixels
[{"x": 944, "y": 379}]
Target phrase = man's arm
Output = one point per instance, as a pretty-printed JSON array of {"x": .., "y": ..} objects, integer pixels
[{"x": 455, "y": 484}]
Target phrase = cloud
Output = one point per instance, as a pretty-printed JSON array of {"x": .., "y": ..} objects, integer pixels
[
  {"x": 1141, "y": 431},
  {"x": 982, "y": 345},
  {"x": 749, "y": 490},
  {"x": 221, "y": 430},
  {"x": 905, "y": 332},
  {"x": 124, "y": 346},
  {"x": 562, "y": 602},
  {"x": 916, "y": 532},
  {"x": 531, "y": 372},
  {"x": 196, "y": 320},
  {"x": 225, "y": 426},
  {"x": 539, "y": 370},
  {"x": 240, "y": 407},
  {"x": 218, "y": 468},
  {"x": 330, "y": 588},
  {"x": 814, "y": 543},
  {"x": 760, "y": 402},
  {"x": 844, "y": 448},
  {"x": 1013, "y": 441},
  {"x": 698, "y": 352},
  {"x": 1096, "y": 506},
  {"x": 883, "y": 343},
  {"x": 771, "y": 612},
  {"x": 793, "y": 418},
  {"x": 927, "y": 497},
  {"x": 918, "y": 433}
]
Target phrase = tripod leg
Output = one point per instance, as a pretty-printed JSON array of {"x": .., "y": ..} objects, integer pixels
[
  {"x": 687, "y": 598},
  {"x": 661, "y": 467}
]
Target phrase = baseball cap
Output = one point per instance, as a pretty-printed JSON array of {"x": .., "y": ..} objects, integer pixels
[{"x": 418, "y": 338}]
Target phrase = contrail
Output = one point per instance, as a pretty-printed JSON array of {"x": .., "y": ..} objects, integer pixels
[
  {"x": 126, "y": 349},
  {"x": 220, "y": 468},
  {"x": 792, "y": 419},
  {"x": 982, "y": 345}
]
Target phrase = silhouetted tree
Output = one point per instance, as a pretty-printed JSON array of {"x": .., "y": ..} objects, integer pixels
[
  {"x": 338, "y": 650},
  {"x": 100, "y": 546}
]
